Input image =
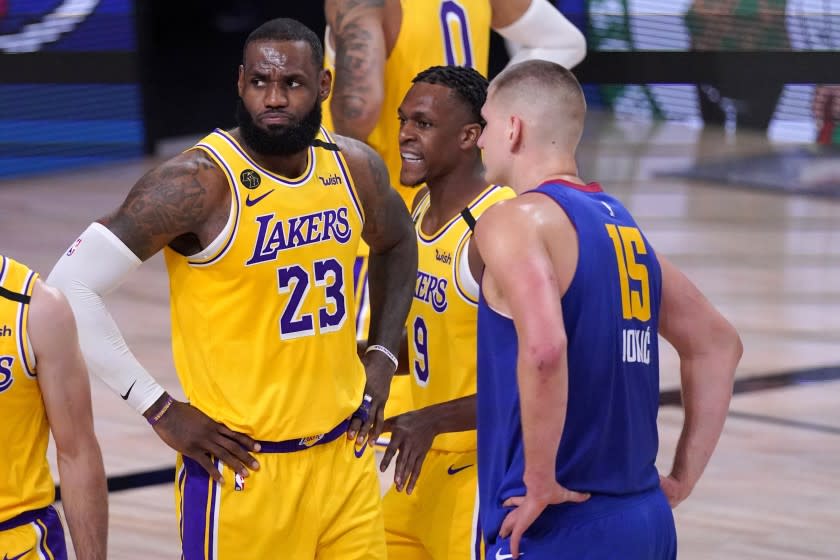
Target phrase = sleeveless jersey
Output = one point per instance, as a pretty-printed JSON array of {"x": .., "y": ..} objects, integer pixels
[
  {"x": 611, "y": 314},
  {"x": 263, "y": 327},
  {"x": 432, "y": 33},
  {"x": 441, "y": 324},
  {"x": 26, "y": 483}
]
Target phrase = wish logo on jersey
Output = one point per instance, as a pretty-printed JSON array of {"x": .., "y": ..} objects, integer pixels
[
  {"x": 431, "y": 289},
  {"x": 277, "y": 235}
]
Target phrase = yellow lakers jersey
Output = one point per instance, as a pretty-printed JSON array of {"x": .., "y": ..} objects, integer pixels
[
  {"x": 432, "y": 33},
  {"x": 263, "y": 328},
  {"x": 442, "y": 322},
  {"x": 26, "y": 483}
]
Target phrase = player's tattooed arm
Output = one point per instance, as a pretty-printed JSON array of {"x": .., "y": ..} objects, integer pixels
[
  {"x": 173, "y": 204},
  {"x": 389, "y": 232},
  {"x": 357, "y": 27}
]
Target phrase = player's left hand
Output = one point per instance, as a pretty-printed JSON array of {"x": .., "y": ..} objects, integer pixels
[
  {"x": 379, "y": 370},
  {"x": 674, "y": 489},
  {"x": 528, "y": 507},
  {"x": 412, "y": 434}
]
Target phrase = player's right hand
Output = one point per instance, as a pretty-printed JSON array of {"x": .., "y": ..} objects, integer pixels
[{"x": 186, "y": 429}]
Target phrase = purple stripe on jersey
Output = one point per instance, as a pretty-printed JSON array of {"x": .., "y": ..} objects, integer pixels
[
  {"x": 284, "y": 180},
  {"x": 427, "y": 240},
  {"x": 236, "y": 209},
  {"x": 3, "y": 269},
  {"x": 194, "y": 510},
  {"x": 211, "y": 531},
  {"x": 349, "y": 186},
  {"x": 182, "y": 474},
  {"x": 51, "y": 544},
  {"x": 21, "y": 333},
  {"x": 360, "y": 287}
]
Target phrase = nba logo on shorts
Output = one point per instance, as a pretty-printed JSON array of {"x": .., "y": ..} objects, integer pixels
[{"x": 238, "y": 482}]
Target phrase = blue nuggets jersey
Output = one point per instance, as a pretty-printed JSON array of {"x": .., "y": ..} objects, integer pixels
[{"x": 611, "y": 314}]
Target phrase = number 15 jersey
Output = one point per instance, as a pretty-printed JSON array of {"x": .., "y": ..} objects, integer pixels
[{"x": 263, "y": 327}]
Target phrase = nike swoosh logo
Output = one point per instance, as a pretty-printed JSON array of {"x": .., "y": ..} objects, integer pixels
[
  {"x": 22, "y": 554},
  {"x": 251, "y": 201},
  {"x": 359, "y": 452},
  {"x": 500, "y": 556},
  {"x": 125, "y": 398},
  {"x": 453, "y": 470}
]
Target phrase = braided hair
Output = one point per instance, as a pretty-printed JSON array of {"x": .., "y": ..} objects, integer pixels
[{"x": 467, "y": 83}]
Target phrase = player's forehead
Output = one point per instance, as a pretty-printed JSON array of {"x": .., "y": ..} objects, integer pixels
[
  {"x": 264, "y": 56},
  {"x": 428, "y": 98}
]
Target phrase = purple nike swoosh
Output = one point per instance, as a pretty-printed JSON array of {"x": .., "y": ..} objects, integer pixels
[
  {"x": 250, "y": 202},
  {"x": 359, "y": 452},
  {"x": 22, "y": 554},
  {"x": 453, "y": 470}
]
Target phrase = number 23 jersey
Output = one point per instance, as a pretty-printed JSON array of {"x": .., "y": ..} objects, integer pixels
[{"x": 263, "y": 327}]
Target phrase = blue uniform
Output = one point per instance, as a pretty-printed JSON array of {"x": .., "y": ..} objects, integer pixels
[{"x": 609, "y": 443}]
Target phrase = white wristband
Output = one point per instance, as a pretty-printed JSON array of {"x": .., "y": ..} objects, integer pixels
[{"x": 385, "y": 351}]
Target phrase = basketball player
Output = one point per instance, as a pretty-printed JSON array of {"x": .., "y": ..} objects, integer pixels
[
  {"x": 573, "y": 300},
  {"x": 440, "y": 124},
  {"x": 259, "y": 227},
  {"x": 44, "y": 387},
  {"x": 376, "y": 47}
]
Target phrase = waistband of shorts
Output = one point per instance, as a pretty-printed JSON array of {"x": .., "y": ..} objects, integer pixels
[
  {"x": 25, "y": 518},
  {"x": 300, "y": 444},
  {"x": 597, "y": 506}
]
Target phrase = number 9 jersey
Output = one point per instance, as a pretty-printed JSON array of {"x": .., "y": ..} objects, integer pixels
[
  {"x": 442, "y": 322},
  {"x": 431, "y": 33},
  {"x": 263, "y": 327}
]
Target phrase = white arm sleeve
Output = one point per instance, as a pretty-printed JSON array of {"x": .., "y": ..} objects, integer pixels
[
  {"x": 543, "y": 33},
  {"x": 96, "y": 263}
]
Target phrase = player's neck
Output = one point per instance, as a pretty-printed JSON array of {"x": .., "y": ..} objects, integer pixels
[
  {"x": 534, "y": 173},
  {"x": 450, "y": 194}
]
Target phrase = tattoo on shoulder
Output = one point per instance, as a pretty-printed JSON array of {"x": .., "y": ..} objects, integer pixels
[
  {"x": 378, "y": 172},
  {"x": 167, "y": 202}
]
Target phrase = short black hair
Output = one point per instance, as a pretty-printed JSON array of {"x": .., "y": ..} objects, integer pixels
[
  {"x": 287, "y": 29},
  {"x": 467, "y": 83}
]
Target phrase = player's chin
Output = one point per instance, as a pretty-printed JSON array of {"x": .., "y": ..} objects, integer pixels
[{"x": 411, "y": 178}]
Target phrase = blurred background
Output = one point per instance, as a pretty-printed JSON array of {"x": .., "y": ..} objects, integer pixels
[{"x": 124, "y": 75}]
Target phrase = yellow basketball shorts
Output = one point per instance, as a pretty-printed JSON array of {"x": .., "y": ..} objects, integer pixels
[
  {"x": 439, "y": 520},
  {"x": 318, "y": 502},
  {"x": 36, "y": 534}
]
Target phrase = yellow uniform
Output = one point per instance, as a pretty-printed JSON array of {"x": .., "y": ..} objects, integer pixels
[
  {"x": 263, "y": 333},
  {"x": 28, "y": 523},
  {"x": 439, "y": 519},
  {"x": 432, "y": 33}
]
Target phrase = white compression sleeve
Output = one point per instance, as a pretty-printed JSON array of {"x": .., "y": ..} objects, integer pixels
[
  {"x": 96, "y": 263},
  {"x": 544, "y": 33}
]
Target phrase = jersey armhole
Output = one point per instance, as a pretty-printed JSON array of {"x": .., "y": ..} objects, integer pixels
[{"x": 467, "y": 286}]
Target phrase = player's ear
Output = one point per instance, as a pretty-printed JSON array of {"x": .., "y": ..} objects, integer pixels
[
  {"x": 240, "y": 81},
  {"x": 514, "y": 132},
  {"x": 325, "y": 84},
  {"x": 469, "y": 136}
]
